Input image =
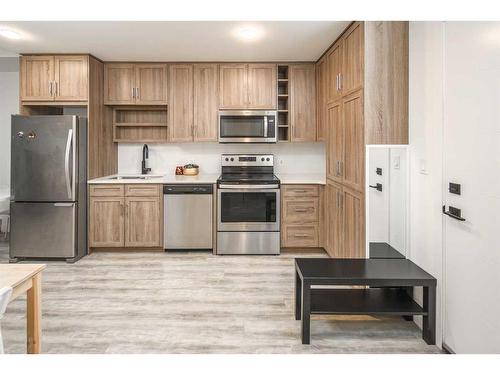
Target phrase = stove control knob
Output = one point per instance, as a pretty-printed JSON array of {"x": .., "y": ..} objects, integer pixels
[
  {"x": 267, "y": 159},
  {"x": 232, "y": 159},
  {"x": 262, "y": 159},
  {"x": 227, "y": 159}
]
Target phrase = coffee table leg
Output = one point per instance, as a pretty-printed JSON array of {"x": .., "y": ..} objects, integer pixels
[
  {"x": 429, "y": 321},
  {"x": 34, "y": 316},
  {"x": 409, "y": 291},
  {"x": 298, "y": 295},
  {"x": 306, "y": 313}
]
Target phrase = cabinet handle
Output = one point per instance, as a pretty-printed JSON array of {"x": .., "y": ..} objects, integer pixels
[
  {"x": 50, "y": 88},
  {"x": 301, "y": 235},
  {"x": 56, "y": 90},
  {"x": 137, "y": 95},
  {"x": 337, "y": 82},
  {"x": 301, "y": 191},
  {"x": 123, "y": 209},
  {"x": 337, "y": 169},
  {"x": 302, "y": 210},
  {"x": 340, "y": 81}
]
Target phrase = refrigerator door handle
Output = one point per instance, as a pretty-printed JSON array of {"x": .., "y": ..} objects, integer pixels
[{"x": 66, "y": 163}]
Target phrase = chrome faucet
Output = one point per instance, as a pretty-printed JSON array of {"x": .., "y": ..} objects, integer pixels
[{"x": 145, "y": 156}]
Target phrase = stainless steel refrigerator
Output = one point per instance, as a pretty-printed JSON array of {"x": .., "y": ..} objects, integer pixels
[{"x": 48, "y": 205}]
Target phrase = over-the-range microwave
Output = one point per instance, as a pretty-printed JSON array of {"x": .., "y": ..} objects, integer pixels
[{"x": 247, "y": 126}]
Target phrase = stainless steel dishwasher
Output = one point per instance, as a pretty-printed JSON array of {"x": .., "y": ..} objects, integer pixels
[{"x": 188, "y": 216}]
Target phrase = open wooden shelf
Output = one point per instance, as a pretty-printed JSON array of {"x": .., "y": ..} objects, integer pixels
[
  {"x": 140, "y": 124},
  {"x": 373, "y": 301},
  {"x": 283, "y": 104}
]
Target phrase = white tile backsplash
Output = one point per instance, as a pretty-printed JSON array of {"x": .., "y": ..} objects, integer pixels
[{"x": 290, "y": 158}]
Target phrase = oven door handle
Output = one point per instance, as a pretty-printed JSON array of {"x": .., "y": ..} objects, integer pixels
[{"x": 249, "y": 187}]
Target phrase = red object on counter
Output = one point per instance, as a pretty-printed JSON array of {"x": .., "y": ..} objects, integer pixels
[{"x": 179, "y": 170}]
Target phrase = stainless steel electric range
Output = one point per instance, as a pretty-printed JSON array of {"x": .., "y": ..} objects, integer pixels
[{"x": 248, "y": 205}]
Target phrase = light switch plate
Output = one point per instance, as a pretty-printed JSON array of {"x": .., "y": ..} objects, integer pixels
[
  {"x": 423, "y": 166},
  {"x": 396, "y": 162}
]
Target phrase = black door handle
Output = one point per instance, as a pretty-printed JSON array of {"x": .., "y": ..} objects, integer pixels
[
  {"x": 453, "y": 212},
  {"x": 377, "y": 186}
]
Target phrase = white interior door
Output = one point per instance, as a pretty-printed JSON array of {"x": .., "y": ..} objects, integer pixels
[{"x": 472, "y": 159}]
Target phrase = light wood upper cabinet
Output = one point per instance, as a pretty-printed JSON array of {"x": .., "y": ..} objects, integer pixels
[
  {"x": 321, "y": 99},
  {"x": 354, "y": 142},
  {"x": 181, "y": 103},
  {"x": 143, "y": 84},
  {"x": 247, "y": 86},
  {"x": 302, "y": 78},
  {"x": 233, "y": 83},
  {"x": 106, "y": 221},
  {"x": 142, "y": 222},
  {"x": 205, "y": 90},
  {"x": 353, "y": 66},
  {"x": 262, "y": 86},
  {"x": 119, "y": 83},
  {"x": 151, "y": 84},
  {"x": 54, "y": 78},
  {"x": 334, "y": 59},
  {"x": 71, "y": 78},
  {"x": 335, "y": 142},
  {"x": 37, "y": 75}
]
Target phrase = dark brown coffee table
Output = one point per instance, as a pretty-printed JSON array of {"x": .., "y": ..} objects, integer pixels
[{"x": 387, "y": 280}]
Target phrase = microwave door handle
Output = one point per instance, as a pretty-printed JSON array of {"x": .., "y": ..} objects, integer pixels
[
  {"x": 265, "y": 126},
  {"x": 66, "y": 162}
]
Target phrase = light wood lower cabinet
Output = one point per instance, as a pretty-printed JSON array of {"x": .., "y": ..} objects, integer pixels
[
  {"x": 125, "y": 216},
  {"x": 142, "y": 222},
  {"x": 106, "y": 222},
  {"x": 300, "y": 216},
  {"x": 345, "y": 228}
]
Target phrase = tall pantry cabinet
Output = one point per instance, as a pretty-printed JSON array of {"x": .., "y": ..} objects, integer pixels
[{"x": 362, "y": 99}]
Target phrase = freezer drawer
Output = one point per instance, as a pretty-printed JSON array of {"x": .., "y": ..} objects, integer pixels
[{"x": 43, "y": 230}]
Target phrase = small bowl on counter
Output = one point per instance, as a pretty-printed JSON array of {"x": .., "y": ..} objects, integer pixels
[{"x": 190, "y": 170}]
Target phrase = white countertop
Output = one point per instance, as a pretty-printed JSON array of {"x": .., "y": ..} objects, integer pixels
[
  {"x": 165, "y": 179},
  {"x": 302, "y": 178},
  {"x": 285, "y": 178}
]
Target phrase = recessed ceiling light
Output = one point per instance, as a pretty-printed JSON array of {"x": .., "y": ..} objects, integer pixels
[
  {"x": 11, "y": 34},
  {"x": 249, "y": 33}
]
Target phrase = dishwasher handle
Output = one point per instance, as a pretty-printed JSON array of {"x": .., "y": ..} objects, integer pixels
[{"x": 188, "y": 189}]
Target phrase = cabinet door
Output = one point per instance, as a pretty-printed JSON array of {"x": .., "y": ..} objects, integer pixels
[
  {"x": 352, "y": 168},
  {"x": 37, "y": 74},
  {"x": 142, "y": 222},
  {"x": 206, "y": 92},
  {"x": 353, "y": 239},
  {"x": 321, "y": 109},
  {"x": 335, "y": 142},
  {"x": 262, "y": 86},
  {"x": 151, "y": 84},
  {"x": 334, "y": 69},
  {"x": 71, "y": 78},
  {"x": 119, "y": 83},
  {"x": 106, "y": 222},
  {"x": 180, "y": 124},
  {"x": 302, "y": 79},
  {"x": 233, "y": 83},
  {"x": 334, "y": 219},
  {"x": 352, "y": 77}
]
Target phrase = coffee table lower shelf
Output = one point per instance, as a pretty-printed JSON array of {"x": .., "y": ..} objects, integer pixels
[{"x": 373, "y": 301}]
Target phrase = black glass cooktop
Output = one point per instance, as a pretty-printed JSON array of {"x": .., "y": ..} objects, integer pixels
[{"x": 249, "y": 178}]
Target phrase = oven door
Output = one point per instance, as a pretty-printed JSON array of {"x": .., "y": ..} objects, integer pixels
[
  {"x": 247, "y": 127},
  {"x": 248, "y": 209}
]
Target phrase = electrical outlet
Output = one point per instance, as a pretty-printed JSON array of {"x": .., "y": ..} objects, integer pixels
[{"x": 423, "y": 166}]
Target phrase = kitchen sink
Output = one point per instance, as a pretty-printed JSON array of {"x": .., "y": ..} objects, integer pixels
[{"x": 135, "y": 177}]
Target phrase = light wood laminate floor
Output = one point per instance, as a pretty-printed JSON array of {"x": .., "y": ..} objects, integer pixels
[{"x": 191, "y": 302}]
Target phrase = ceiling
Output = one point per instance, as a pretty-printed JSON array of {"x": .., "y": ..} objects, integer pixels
[{"x": 175, "y": 41}]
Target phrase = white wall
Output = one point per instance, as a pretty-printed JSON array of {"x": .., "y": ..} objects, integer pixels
[
  {"x": 378, "y": 217},
  {"x": 398, "y": 191},
  {"x": 290, "y": 158},
  {"x": 426, "y": 143},
  {"x": 9, "y": 104}
]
